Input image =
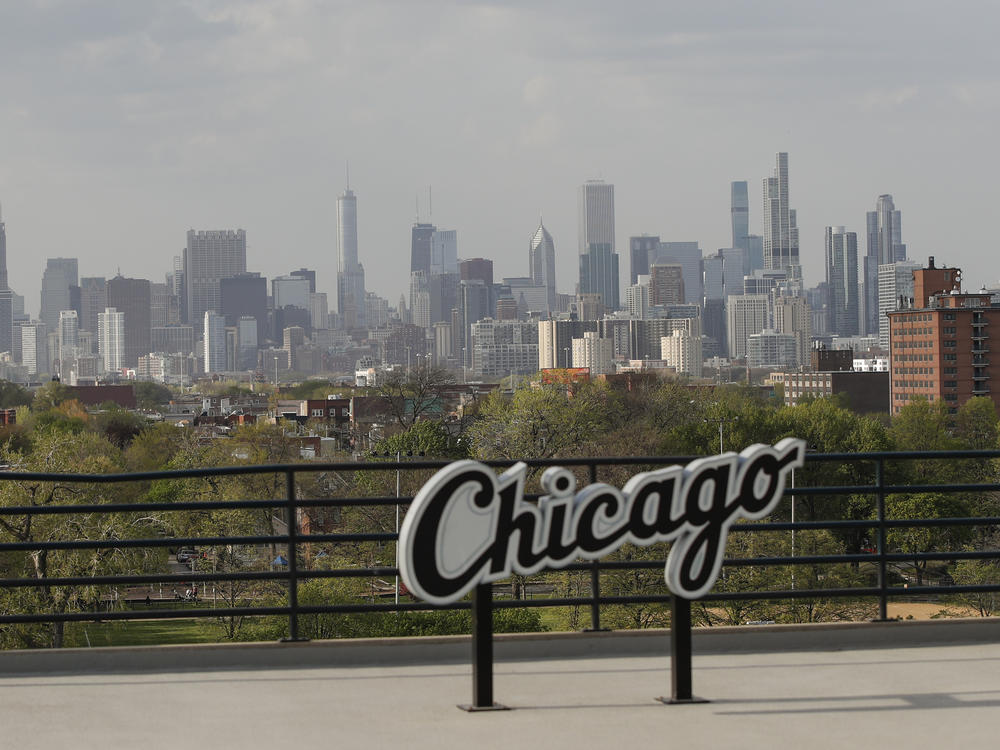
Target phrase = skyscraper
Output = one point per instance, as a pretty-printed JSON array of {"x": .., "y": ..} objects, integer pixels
[
  {"x": 68, "y": 329},
  {"x": 350, "y": 274},
  {"x": 3, "y": 254},
  {"x": 781, "y": 235},
  {"x": 740, "y": 213},
  {"x": 208, "y": 258},
  {"x": 640, "y": 250},
  {"x": 93, "y": 300},
  {"x": 420, "y": 247},
  {"x": 444, "y": 251},
  {"x": 111, "y": 338},
  {"x": 542, "y": 263},
  {"x": 60, "y": 274},
  {"x": 842, "y": 277},
  {"x": 883, "y": 233},
  {"x": 132, "y": 297},
  {"x": 214, "y": 351},
  {"x": 598, "y": 259}
]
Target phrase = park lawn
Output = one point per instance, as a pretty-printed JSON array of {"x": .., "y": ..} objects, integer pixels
[{"x": 141, "y": 633}]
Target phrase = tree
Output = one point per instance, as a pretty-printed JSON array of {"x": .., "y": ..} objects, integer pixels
[
  {"x": 410, "y": 396},
  {"x": 150, "y": 395},
  {"x": 12, "y": 395},
  {"x": 51, "y": 395},
  {"x": 52, "y": 452}
]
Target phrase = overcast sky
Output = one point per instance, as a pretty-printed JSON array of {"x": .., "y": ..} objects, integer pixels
[{"x": 123, "y": 124}]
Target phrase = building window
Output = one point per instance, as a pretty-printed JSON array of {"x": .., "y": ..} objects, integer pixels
[{"x": 318, "y": 413}]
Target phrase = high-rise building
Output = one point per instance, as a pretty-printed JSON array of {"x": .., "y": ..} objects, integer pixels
[
  {"x": 68, "y": 330},
  {"x": 172, "y": 339},
  {"x": 132, "y": 298},
  {"x": 350, "y": 272},
  {"x": 682, "y": 351},
  {"x": 209, "y": 257},
  {"x": 420, "y": 247},
  {"x": 781, "y": 235},
  {"x": 666, "y": 284},
  {"x": 598, "y": 260},
  {"x": 542, "y": 263},
  {"x": 642, "y": 251},
  {"x": 555, "y": 341},
  {"x": 3, "y": 254},
  {"x": 111, "y": 339},
  {"x": 7, "y": 323},
  {"x": 444, "y": 251},
  {"x": 740, "y": 213},
  {"x": 246, "y": 343},
  {"x": 34, "y": 348},
  {"x": 60, "y": 274},
  {"x": 504, "y": 347},
  {"x": 214, "y": 342},
  {"x": 93, "y": 300},
  {"x": 309, "y": 275},
  {"x": 842, "y": 278},
  {"x": 883, "y": 229},
  {"x": 746, "y": 314},
  {"x": 793, "y": 316},
  {"x": 290, "y": 291},
  {"x": 245, "y": 294},
  {"x": 688, "y": 256},
  {"x": 594, "y": 352},
  {"x": 476, "y": 268},
  {"x": 895, "y": 289}
]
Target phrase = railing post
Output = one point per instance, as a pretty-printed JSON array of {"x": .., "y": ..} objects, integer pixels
[
  {"x": 595, "y": 578},
  {"x": 293, "y": 561},
  {"x": 680, "y": 652},
  {"x": 883, "y": 608},
  {"x": 482, "y": 651}
]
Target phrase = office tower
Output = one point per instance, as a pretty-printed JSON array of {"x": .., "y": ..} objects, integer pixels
[
  {"x": 444, "y": 251},
  {"x": 290, "y": 291},
  {"x": 842, "y": 278},
  {"x": 209, "y": 257},
  {"x": 781, "y": 235},
  {"x": 3, "y": 254},
  {"x": 245, "y": 294},
  {"x": 93, "y": 300},
  {"x": 175, "y": 280},
  {"x": 172, "y": 339},
  {"x": 895, "y": 289},
  {"x": 443, "y": 292},
  {"x": 68, "y": 331},
  {"x": 420, "y": 247},
  {"x": 740, "y": 213},
  {"x": 688, "y": 256},
  {"x": 34, "y": 348},
  {"x": 542, "y": 263},
  {"x": 111, "y": 339},
  {"x": 214, "y": 337},
  {"x": 642, "y": 250},
  {"x": 420, "y": 300},
  {"x": 746, "y": 314},
  {"x": 293, "y": 338},
  {"x": 473, "y": 305},
  {"x": 793, "y": 316},
  {"x": 246, "y": 343},
  {"x": 60, "y": 274},
  {"x": 7, "y": 322},
  {"x": 772, "y": 349},
  {"x": 307, "y": 274},
  {"x": 666, "y": 284},
  {"x": 350, "y": 272},
  {"x": 598, "y": 259},
  {"x": 132, "y": 297},
  {"x": 476, "y": 268},
  {"x": 319, "y": 312},
  {"x": 883, "y": 228},
  {"x": 159, "y": 304}
]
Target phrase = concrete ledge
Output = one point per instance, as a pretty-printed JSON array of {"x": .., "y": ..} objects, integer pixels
[{"x": 508, "y": 647}]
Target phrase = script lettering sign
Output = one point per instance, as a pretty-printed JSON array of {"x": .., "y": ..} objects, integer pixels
[{"x": 468, "y": 526}]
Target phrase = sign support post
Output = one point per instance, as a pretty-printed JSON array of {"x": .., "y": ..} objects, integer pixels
[{"x": 482, "y": 651}]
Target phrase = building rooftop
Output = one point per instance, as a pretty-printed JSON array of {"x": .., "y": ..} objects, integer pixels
[{"x": 911, "y": 684}]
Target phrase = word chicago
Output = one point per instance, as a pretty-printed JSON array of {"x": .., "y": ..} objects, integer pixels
[{"x": 467, "y": 526}]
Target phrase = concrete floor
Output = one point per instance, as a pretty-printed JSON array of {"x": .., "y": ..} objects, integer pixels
[{"x": 929, "y": 696}]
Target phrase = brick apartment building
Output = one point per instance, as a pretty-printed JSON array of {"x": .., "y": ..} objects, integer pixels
[{"x": 940, "y": 342}]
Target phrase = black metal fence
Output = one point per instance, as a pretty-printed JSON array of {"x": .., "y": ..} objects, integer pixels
[{"x": 871, "y": 480}]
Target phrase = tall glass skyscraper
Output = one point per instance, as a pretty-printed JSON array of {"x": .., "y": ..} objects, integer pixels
[
  {"x": 781, "y": 235},
  {"x": 208, "y": 258},
  {"x": 542, "y": 263},
  {"x": 598, "y": 259},
  {"x": 351, "y": 274},
  {"x": 740, "y": 212},
  {"x": 842, "y": 278}
]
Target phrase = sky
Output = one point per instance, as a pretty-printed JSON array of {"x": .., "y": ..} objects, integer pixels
[{"x": 123, "y": 124}]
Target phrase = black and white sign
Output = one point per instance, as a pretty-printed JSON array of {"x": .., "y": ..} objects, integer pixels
[{"x": 468, "y": 526}]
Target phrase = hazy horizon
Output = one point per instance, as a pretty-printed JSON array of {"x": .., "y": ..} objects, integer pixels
[{"x": 126, "y": 124}]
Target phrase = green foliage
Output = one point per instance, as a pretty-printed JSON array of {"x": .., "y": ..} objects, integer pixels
[
  {"x": 150, "y": 395},
  {"x": 425, "y": 437},
  {"x": 51, "y": 395},
  {"x": 12, "y": 395}
]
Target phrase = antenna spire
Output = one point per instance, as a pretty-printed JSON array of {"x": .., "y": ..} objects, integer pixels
[{"x": 348, "y": 175}]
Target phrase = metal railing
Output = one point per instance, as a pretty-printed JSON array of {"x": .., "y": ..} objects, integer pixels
[{"x": 876, "y": 479}]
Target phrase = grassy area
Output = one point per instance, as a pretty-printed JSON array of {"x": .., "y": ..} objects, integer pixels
[{"x": 141, "y": 633}]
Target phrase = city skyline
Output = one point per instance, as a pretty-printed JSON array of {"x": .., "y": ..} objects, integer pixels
[{"x": 155, "y": 119}]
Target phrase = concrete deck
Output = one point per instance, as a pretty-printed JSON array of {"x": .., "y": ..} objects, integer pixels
[{"x": 908, "y": 685}]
